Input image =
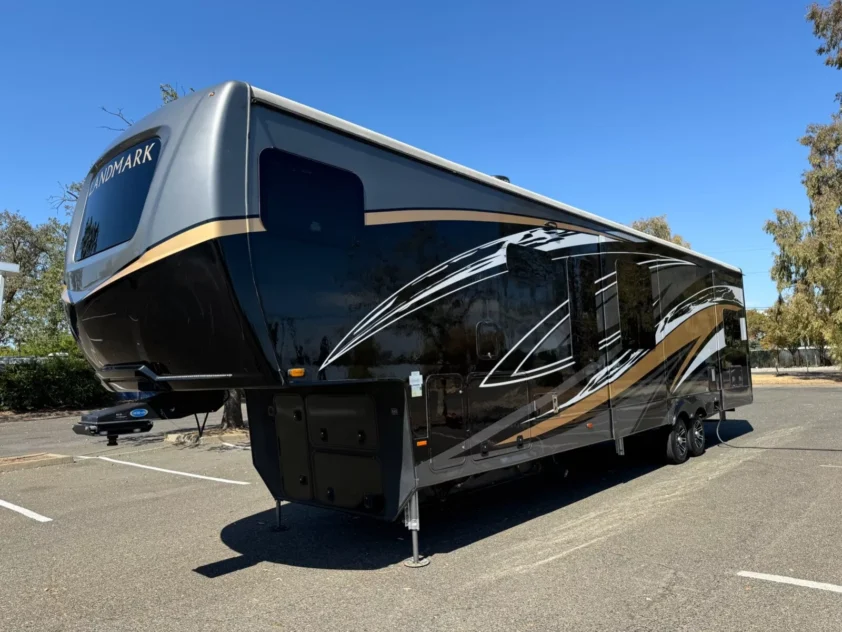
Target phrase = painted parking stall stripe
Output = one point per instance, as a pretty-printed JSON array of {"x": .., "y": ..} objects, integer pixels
[
  {"x": 783, "y": 579},
  {"x": 177, "y": 473},
  {"x": 25, "y": 512}
]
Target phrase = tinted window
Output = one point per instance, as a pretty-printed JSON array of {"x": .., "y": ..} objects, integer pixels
[
  {"x": 637, "y": 319},
  {"x": 529, "y": 264},
  {"x": 582, "y": 273},
  {"x": 734, "y": 353},
  {"x": 116, "y": 197},
  {"x": 731, "y": 324},
  {"x": 537, "y": 290},
  {"x": 308, "y": 201},
  {"x": 489, "y": 340}
]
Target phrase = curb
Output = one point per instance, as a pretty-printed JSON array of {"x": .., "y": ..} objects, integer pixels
[{"x": 27, "y": 461}]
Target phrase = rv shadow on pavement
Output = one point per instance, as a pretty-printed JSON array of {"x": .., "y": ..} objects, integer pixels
[{"x": 317, "y": 538}]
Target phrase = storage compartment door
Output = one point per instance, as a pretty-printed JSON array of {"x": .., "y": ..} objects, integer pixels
[{"x": 291, "y": 428}]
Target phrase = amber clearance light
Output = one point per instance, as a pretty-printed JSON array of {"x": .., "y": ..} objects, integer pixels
[{"x": 296, "y": 372}]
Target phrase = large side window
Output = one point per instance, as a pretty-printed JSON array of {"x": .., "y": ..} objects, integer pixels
[
  {"x": 637, "y": 319},
  {"x": 582, "y": 273},
  {"x": 310, "y": 202}
]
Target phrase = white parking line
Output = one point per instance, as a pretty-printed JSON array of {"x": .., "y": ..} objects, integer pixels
[
  {"x": 25, "y": 512},
  {"x": 830, "y": 465},
  {"x": 781, "y": 579},
  {"x": 160, "y": 469}
]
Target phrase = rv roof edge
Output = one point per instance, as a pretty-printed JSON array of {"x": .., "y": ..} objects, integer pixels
[{"x": 305, "y": 111}]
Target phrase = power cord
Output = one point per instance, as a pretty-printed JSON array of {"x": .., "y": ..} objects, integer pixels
[{"x": 760, "y": 447}]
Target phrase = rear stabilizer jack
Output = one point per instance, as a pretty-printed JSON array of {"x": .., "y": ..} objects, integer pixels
[{"x": 412, "y": 520}]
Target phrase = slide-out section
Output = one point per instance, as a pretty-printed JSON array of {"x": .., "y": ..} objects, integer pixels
[{"x": 639, "y": 396}]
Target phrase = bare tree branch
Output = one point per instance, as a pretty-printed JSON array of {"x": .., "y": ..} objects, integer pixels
[
  {"x": 69, "y": 192},
  {"x": 67, "y": 197},
  {"x": 119, "y": 114}
]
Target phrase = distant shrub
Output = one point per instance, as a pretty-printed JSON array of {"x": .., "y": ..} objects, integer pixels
[{"x": 48, "y": 383}]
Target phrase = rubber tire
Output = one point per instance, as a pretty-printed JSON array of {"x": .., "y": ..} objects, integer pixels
[
  {"x": 676, "y": 449},
  {"x": 696, "y": 442}
]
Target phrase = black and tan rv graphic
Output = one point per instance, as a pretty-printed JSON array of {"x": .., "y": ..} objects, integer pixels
[{"x": 400, "y": 323}]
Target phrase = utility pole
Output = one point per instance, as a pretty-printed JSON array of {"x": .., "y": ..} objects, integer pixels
[{"x": 6, "y": 269}]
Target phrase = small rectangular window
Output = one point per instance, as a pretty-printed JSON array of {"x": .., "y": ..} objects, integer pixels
[
  {"x": 637, "y": 316},
  {"x": 582, "y": 273},
  {"x": 310, "y": 202},
  {"x": 489, "y": 340},
  {"x": 116, "y": 197}
]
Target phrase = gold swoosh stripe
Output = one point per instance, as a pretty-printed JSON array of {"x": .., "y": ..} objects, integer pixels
[
  {"x": 686, "y": 332},
  {"x": 378, "y": 218},
  {"x": 703, "y": 333},
  {"x": 189, "y": 238}
]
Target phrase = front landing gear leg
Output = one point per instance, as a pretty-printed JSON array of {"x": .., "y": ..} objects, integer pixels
[
  {"x": 412, "y": 520},
  {"x": 279, "y": 524}
]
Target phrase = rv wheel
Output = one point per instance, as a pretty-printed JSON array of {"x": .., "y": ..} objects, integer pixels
[
  {"x": 677, "y": 448},
  {"x": 696, "y": 436}
]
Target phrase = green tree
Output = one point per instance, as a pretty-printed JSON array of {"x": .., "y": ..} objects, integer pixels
[
  {"x": 783, "y": 329},
  {"x": 170, "y": 93},
  {"x": 827, "y": 26},
  {"x": 658, "y": 226},
  {"x": 808, "y": 265},
  {"x": 757, "y": 323},
  {"x": 33, "y": 318}
]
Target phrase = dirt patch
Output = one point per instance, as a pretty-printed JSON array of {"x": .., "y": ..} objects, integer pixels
[
  {"x": 25, "y": 461},
  {"x": 8, "y": 416},
  {"x": 191, "y": 437},
  {"x": 234, "y": 432},
  {"x": 819, "y": 378}
]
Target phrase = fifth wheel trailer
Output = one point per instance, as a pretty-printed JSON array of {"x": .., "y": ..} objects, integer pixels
[{"x": 400, "y": 323}]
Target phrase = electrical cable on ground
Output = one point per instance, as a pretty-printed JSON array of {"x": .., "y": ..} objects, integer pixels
[{"x": 760, "y": 447}]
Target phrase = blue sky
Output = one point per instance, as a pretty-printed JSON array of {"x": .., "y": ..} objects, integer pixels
[{"x": 625, "y": 109}]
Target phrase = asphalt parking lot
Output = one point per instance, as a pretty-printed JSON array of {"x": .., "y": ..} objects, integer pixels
[{"x": 622, "y": 544}]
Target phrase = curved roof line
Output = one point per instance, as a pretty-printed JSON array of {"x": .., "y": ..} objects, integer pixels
[{"x": 328, "y": 120}]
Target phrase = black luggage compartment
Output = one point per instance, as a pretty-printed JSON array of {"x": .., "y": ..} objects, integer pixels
[{"x": 343, "y": 446}]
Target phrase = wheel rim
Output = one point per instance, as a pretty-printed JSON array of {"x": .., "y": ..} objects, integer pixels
[
  {"x": 698, "y": 434},
  {"x": 681, "y": 438}
]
